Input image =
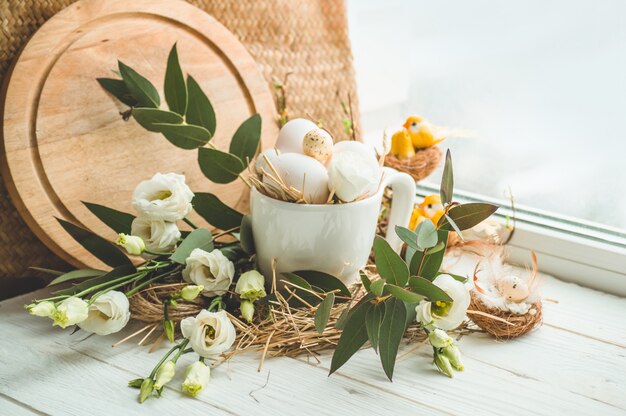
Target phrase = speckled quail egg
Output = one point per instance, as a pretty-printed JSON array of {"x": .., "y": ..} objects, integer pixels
[
  {"x": 512, "y": 288},
  {"x": 318, "y": 144},
  {"x": 291, "y": 135}
]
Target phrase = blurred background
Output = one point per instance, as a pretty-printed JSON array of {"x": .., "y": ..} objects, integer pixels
[{"x": 540, "y": 84}]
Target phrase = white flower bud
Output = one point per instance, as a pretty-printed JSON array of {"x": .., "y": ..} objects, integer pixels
[
  {"x": 453, "y": 354},
  {"x": 247, "y": 310},
  {"x": 443, "y": 364},
  {"x": 197, "y": 377},
  {"x": 132, "y": 244},
  {"x": 251, "y": 286},
  {"x": 164, "y": 374},
  {"x": 190, "y": 292},
  {"x": 439, "y": 338},
  {"x": 45, "y": 309},
  {"x": 70, "y": 312}
]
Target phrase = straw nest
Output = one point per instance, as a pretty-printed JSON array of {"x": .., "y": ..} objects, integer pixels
[
  {"x": 420, "y": 166},
  {"x": 503, "y": 324},
  {"x": 147, "y": 305}
]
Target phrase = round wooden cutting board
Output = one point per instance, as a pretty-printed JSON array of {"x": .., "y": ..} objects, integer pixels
[{"x": 64, "y": 140}]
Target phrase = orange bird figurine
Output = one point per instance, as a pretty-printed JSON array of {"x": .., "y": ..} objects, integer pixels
[
  {"x": 431, "y": 208},
  {"x": 422, "y": 134}
]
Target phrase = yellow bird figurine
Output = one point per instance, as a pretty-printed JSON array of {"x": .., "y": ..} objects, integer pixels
[
  {"x": 431, "y": 208},
  {"x": 401, "y": 145},
  {"x": 421, "y": 133}
]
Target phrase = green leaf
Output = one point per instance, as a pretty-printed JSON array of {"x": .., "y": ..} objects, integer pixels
[
  {"x": 432, "y": 262},
  {"x": 199, "y": 109},
  {"x": 174, "y": 88},
  {"x": 139, "y": 87},
  {"x": 118, "y": 221},
  {"x": 341, "y": 321},
  {"x": 353, "y": 337},
  {"x": 447, "y": 180},
  {"x": 215, "y": 212},
  {"x": 136, "y": 383},
  {"x": 120, "y": 271},
  {"x": 389, "y": 264},
  {"x": 183, "y": 135},
  {"x": 373, "y": 319},
  {"x": 438, "y": 247},
  {"x": 297, "y": 280},
  {"x": 47, "y": 271},
  {"x": 403, "y": 294},
  {"x": 118, "y": 89},
  {"x": 246, "y": 238},
  {"x": 428, "y": 289},
  {"x": 452, "y": 224},
  {"x": 408, "y": 236},
  {"x": 96, "y": 245},
  {"x": 324, "y": 281},
  {"x": 76, "y": 274},
  {"x": 323, "y": 312},
  {"x": 468, "y": 215},
  {"x": 427, "y": 235},
  {"x": 366, "y": 281},
  {"x": 200, "y": 238},
  {"x": 458, "y": 277},
  {"x": 391, "y": 331},
  {"x": 246, "y": 139},
  {"x": 377, "y": 287},
  {"x": 150, "y": 118},
  {"x": 218, "y": 166}
]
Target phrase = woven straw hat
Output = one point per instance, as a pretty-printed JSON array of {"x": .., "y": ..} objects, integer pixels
[{"x": 306, "y": 38}]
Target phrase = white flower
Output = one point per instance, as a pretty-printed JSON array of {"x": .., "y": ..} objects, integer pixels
[
  {"x": 251, "y": 286},
  {"x": 132, "y": 244},
  {"x": 71, "y": 311},
  {"x": 45, "y": 309},
  {"x": 160, "y": 236},
  {"x": 191, "y": 292},
  {"x": 197, "y": 377},
  {"x": 164, "y": 197},
  {"x": 247, "y": 310},
  {"x": 212, "y": 270},
  {"x": 445, "y": 315},
  {"x": 351, "y": 175},
  {"x": 439, "y": 338},
  {"x": 209, "y": 333},
  {"x": 164, "y": 374},
  {"x": 108, "y": 314}
]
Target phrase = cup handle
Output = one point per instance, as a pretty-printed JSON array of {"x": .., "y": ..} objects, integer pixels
[{"x": 403, "y": 187}]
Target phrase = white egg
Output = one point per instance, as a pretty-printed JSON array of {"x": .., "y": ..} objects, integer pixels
[
  {"x": 318, "y": 144},
  {"x": 298, "y": 170},
  {"x": 353, "y": 174},
  {"x": 363, "y": 149},
  {"x": 261, "y": 162},
  {"x": 291, "y": 135},
  {"x": 512, "y": 288}
]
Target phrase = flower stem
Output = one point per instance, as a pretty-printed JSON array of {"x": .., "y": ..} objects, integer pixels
[{"x": 191, "y": 224}]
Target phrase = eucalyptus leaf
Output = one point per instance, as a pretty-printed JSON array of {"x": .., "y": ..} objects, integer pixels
[
  {"x": 47, "y": 271},
  {"x": 75, "y": 275},
  {"x": 200, "y": 112},
  {"x": 373, "y": 319},
  {"x": 391, "y": 332},
  {"x": 428, "y": 289},
  {"x": 466, "y": 216},
  {"x": 323, "y": 312},
  {"x": 118, "y": 221},
  {"x": 149, "y": 118},
  {"x": 96, "y": 245},
  {"x": 218, "y": 166},
  {"x": 199, "y": 238},
  {"x": 403, "y": 294},
  {"x": 458, "y": 277},
  {"x": 246, "y": 237},
  {"x": 139, "y": 87},
  {"x": 174, "y": 88},
  {"x": 324, "y": 281},
  {"x": 353, "y": 337},
  {"x": 389, "y": 264},
  {"x": 246, "y": 139},
  {"x": 408, "y": 236},
  {"x": 447, "y": 180},
  {"x": 120, "y": 271},
  {"x": 343, "y": 317},
  {"x": 215, "y": 212},
  {"x": 377, "y": 287},
  {"x": 432, "y": 262},
  {"x": 297, "y": 280},
  {"x": 450, "y": 222},
  {"x": 184, "y": 136},
  {"x": 366, "y": 281},
  {"x": 118, "y": 89},
  {"x": 427, "y": 235}
]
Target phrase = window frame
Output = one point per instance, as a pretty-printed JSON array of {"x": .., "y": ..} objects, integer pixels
[{"x": 571, "y": 249}]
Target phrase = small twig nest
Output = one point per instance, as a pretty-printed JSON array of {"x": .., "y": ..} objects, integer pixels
[
  {"x": 503, "y": 324},
  {"x": 147, "y": 305},
  {"x": 422, "y": 164}
]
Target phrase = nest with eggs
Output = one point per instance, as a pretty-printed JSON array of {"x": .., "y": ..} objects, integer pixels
[{"x": 420, "y": 165}]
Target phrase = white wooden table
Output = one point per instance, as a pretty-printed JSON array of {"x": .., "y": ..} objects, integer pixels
[{"x": 574, "y": 365}]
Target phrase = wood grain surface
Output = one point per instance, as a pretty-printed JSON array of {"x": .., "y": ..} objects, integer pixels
[{"x": 64, "y": 140}]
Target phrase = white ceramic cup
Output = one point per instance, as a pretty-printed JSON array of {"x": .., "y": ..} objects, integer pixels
[{"x": 335, "y": 239}]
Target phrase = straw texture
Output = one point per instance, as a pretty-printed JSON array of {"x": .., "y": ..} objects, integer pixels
[{"x": 307, "y": 39}]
